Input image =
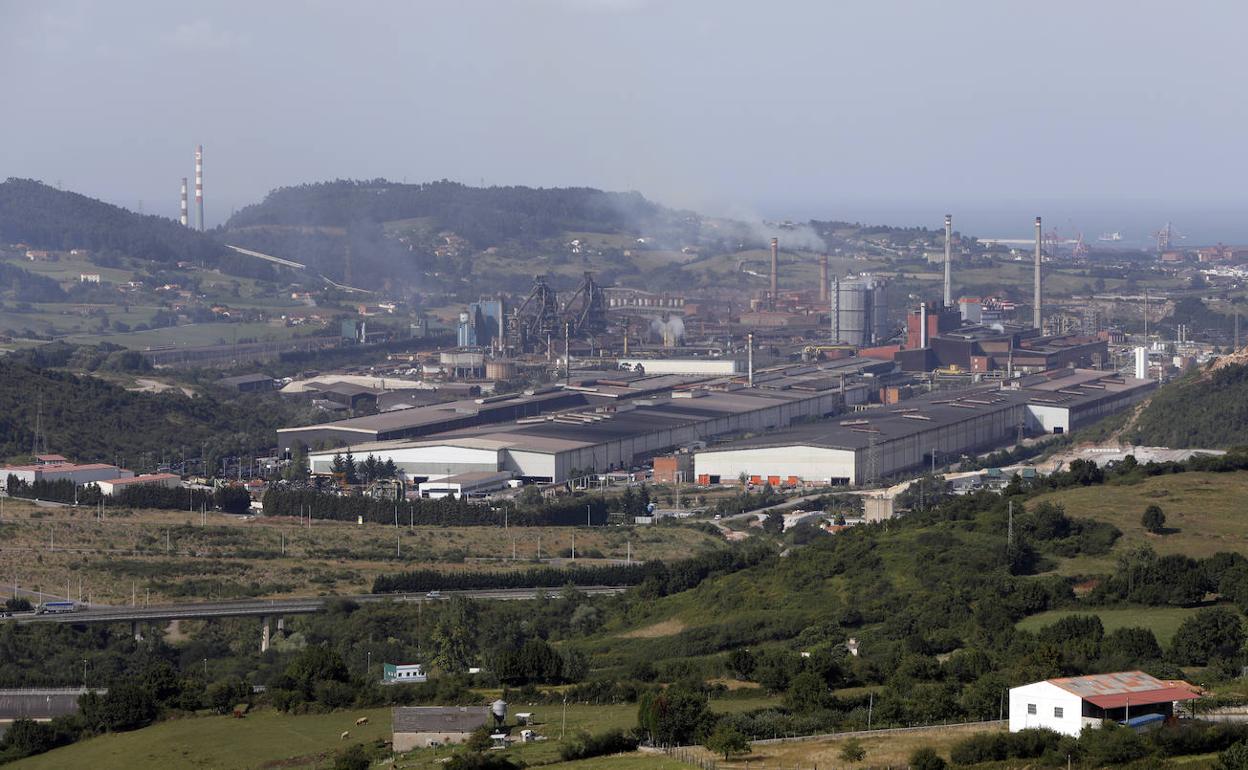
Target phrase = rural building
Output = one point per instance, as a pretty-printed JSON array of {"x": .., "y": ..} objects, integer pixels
[
  {"x": 879, "y": 443},
  {"x": 249, "y": 383},
  {"x": 417, "y": 727},
  {"x": 403, "y": 673},
  {"x": 1070, "y": 704},
  {"x": 673, "y": 469},
  {"x": 113, "y": 486}
]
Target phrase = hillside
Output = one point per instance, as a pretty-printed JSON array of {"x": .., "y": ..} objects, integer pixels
[
  {"x": 43, "y": 217},
  {"x": 1207, "y": 409},
  {"x": 90, "y": 419}
]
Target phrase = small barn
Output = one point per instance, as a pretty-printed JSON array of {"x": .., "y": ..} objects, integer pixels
[
  {"x": 1069, "y": 704},
  {"x": 417, "y": 727}
]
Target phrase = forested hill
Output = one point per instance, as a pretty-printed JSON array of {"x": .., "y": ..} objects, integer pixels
[
  {"x": 485, "y": 216},
  {"x": 1202, "y": 410},
  {"x": 89, "y": 419},
  {"x": 44, "y": 217}
]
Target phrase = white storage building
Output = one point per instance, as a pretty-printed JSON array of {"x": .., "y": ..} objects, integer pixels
[{"x": 1070, "y": 704}]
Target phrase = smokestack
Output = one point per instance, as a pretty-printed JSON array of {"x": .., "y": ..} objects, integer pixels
[
  {"x": 1035, "y": 313},
  {"x": 823, "y": 279},
  {"x": 775, "y": 270},
  {"x": 199, "y": 187},
  {"x": 183, "y": 218},
  {"x": 750, "y": 356},
  {"x": 948, "y": 259},
  {"x": 922, "y": 324}
]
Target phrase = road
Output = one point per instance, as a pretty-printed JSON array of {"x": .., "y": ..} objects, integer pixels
[{"x": 278, "y": 607}]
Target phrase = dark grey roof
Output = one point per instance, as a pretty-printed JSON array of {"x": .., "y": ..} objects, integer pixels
[
  {"x": 438, "y": 719},
  {"x": 244, "y": 379}
]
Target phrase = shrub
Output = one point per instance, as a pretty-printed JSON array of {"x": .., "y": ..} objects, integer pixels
[
  {"x": 585, "y": 746},
  {"x": 852, "y": 751},
  {"x": 926, "y": 758}
]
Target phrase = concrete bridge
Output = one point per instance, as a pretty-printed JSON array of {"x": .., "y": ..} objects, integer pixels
[{"x": 268, "y": 609}]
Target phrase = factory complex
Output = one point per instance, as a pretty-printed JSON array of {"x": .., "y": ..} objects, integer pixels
[
  {"x": 616, "y": 423},
  {"x": 889, "y": 440}
]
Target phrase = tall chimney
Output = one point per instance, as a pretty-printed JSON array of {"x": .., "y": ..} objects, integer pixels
[
  {"x": 775, "y": 269},
  {"x": 823, "y": 279},
  {"x": 948, "y": 259},
  {"x": 183, "y": 218},
  {"x": 922, "y": 324},
  {"x": 199, "y": 187},
  {"x": 1036, "y": 301},
  {"x": 749, "y": 361}
]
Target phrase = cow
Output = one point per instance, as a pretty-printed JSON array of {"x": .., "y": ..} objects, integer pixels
[
  {"x": 361, "y": 721},
  {"x": 345, "y": 735}
]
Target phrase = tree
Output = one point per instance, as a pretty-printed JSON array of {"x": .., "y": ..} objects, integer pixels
[
  {"x": 354, "y": 757},
  {"x": 1154, "y": 520},
  {"x": 350, "y": 469},
  {"x": 315, "y": 664},
  {"x": 852, "y": 751},
  {"x": 126, "y": 706},
  {"x": 26, "y": 738},
  {"x": 741, "y": 663},
  {"x": 926, "y": 758},
  {"x": 726, "y": 739},
  {"x": 773, "y": 524},
  {"x": 479, "y": 740},
  {"x": 17, "y": 604},
  {"x": 1211, "y": 632},
  {"x": 453, "y": 634},
  {"x": 673, "y": 716},
  {"x": 232, "y": 499},
  {"x": 1234, "y": 758}
]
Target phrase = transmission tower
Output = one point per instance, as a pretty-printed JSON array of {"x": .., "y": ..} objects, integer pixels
[
  {"x": 873, "y": 456},
  {"x": 39, "y": 444}
]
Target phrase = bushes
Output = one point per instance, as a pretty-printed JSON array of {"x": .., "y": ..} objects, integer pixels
[
  {"x": 996, "y": 747},
  {"x": 446, "y": 511},
  {"x": 585, "y": 746}
]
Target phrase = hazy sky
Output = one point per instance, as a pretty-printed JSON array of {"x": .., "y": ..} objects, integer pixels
[{"x": 880, "y": 109}]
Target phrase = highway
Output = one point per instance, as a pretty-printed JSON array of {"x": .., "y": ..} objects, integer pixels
[{"x": 280, "y": 607}]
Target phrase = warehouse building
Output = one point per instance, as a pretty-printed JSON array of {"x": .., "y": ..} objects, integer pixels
[
  {"x": 891, "y": 440},
  {"x": 62, "y": 471},
  {"x": 620, "y": 431}
]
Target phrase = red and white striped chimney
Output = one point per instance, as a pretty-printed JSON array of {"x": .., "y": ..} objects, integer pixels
[
  {"x": 199, "y": 186},
  {"x": 183, "y": 218}
]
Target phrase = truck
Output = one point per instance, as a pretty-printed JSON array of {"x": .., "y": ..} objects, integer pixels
[{"x": 55, "y": 607}]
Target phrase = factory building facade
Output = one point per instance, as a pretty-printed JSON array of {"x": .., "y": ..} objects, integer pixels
[
  {"x": 617, "y": 432},
  {"x": 884, "y": 442}
]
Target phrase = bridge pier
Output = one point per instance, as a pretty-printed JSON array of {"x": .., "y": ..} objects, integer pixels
[
  {"x": 281, "y": 624},
  {"x": 135, "y": 632},
  {"x": 264, "y": 634}
]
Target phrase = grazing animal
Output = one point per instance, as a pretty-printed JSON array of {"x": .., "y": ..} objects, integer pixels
[
  {"x": 345, "y": 735},
  {"x": 361, "y": 721}
]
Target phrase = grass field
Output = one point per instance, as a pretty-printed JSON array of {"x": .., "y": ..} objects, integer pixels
[
  {"x": 1162, "y": 621},
  {"x": 1204, "y": 513},
  {"x": 236, "y": 557},
  {"x": 220, "y": 742},
  {"x": 884, "y": 750},
  {"x": 267, "y": 738},
  {"x": 193, "y": 335}
]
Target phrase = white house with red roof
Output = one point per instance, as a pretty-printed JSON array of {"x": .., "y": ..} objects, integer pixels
[{"x": 1069, "y": 704}]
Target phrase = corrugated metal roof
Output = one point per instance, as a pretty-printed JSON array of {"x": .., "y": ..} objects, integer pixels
[
  {"x": 438, "y": 719},
  {"x": 1124, "y": 688}
]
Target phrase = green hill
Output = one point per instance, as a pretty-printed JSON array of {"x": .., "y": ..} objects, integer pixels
[{"x": 1206, "y": 409}]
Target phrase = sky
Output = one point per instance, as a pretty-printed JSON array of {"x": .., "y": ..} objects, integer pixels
[{"x": 1115, "y": 114}]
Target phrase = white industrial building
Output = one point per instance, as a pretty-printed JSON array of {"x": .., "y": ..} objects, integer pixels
[
  {"x": 62, "y": 471},
  {"x": 1070, "y": 704},
  {"x": 710, "y": 366},
  {"x": 474, "y": 484},
  {"x": 619, "y": 431},
  {"x": 882, "y": 442},
  {"x": 114, "y": 486}
]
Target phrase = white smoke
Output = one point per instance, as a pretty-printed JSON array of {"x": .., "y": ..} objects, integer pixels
[{"x": 673, "y": 327}]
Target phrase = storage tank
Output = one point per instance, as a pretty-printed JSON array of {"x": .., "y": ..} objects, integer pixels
[{"x": 500, "y": 370}]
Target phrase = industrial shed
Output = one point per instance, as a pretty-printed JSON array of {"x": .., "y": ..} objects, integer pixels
[
  {"x": 617, "y": 434},
  {"x": 900, "y": 438},
  {"x": 1070, "y": 704}
]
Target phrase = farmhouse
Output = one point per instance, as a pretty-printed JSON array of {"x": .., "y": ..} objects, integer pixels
[
  {"x": 417, "y": 727},
  {"x": 1069, "y": 704}
]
